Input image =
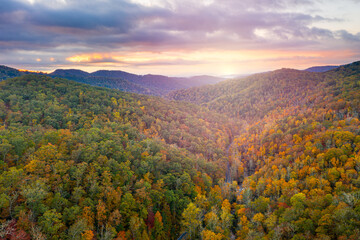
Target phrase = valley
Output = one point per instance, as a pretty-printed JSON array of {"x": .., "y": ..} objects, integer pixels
[
  {"x": 270, "y": 156},
  {"x": 179, "y": 120}
]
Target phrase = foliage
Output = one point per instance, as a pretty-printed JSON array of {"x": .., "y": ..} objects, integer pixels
[
  {"x": 297, "y": 161},
  {"x": 79, "y": 162}
]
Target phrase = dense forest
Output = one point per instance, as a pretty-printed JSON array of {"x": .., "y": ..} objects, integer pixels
[
  {"x": 297, "y": 161},
  {"x": 271, "y": 156},
  {"x": 79, "y": 161}
]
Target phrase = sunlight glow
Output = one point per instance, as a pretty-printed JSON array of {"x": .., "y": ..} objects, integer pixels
[
  {"x": 221, "y": 63},
  {"x": 87, "y": 57}
]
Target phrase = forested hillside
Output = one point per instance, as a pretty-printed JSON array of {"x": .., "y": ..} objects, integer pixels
[
  {"x": 297, "y": 162},
  {"x": 253, "y": 97},
  {"x": 271, "y": 156},
  {"x": 7, "y": 72},
  {"x": 79, "y": 162}
]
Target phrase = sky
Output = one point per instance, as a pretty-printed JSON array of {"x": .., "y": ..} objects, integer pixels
[{"x": 178, "y": 37}]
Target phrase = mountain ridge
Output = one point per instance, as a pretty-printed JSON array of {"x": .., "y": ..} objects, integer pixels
[
  {"x": 321, "y": 68},
  {"x": 238, "y": 94},
  {"x": 149, "y": 84}
]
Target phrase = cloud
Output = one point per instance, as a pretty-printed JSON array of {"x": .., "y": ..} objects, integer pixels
[
  {"x": 119, "y": 23},
  {"x": 139, "y": 59},
  {"x": 63, "y": 29},
  {"x": 342, "y": 34},
  {"x": 92, "y": 58}
]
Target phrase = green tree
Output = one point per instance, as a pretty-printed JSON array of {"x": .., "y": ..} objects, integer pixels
[{"x": 51, "y": 223}]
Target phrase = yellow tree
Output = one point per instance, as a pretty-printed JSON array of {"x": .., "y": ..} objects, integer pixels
[
  {"x": 191, "y": 219},
  {"x": 210, "y": 235},
  {"x": 87, "y": 235},
  {"x": 226, "y": 217}
]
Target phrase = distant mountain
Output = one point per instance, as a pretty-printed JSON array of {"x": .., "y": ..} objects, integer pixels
[
  {"x": 69, "y": 73},
  {"x": 320, "y": 68},
  {"x": 149, "y": 84},
  {"x": 145, "y": 84},
  {"x": 115, "y": 74},
  {"x": 160, "y": 81},
  {"x": 204, "y": 79},
  {"x": 102, "y": 79}
]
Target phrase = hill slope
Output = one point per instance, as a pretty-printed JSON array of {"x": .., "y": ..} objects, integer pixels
[
  {"x": 8, "y": 72},
  {"x": 79, "y": 160},
  {"x": 92, "y": 162},
  {"x": 305, "y": 162},
  {"x": 297, "y": 163},
  {"x": 254, "y": 96}
]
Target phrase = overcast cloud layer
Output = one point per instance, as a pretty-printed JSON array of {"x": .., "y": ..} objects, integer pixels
[{"x": 47, "y": 34}]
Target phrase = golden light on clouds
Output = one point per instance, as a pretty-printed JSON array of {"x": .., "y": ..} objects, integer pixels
[
  {"x": 133, "y": 57},
  {"x": 87, "y": 58},
  {"x": 30, "y": 71},
  {"x": 204, "y": 56},
  {"x": 221, "y": 62}
]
